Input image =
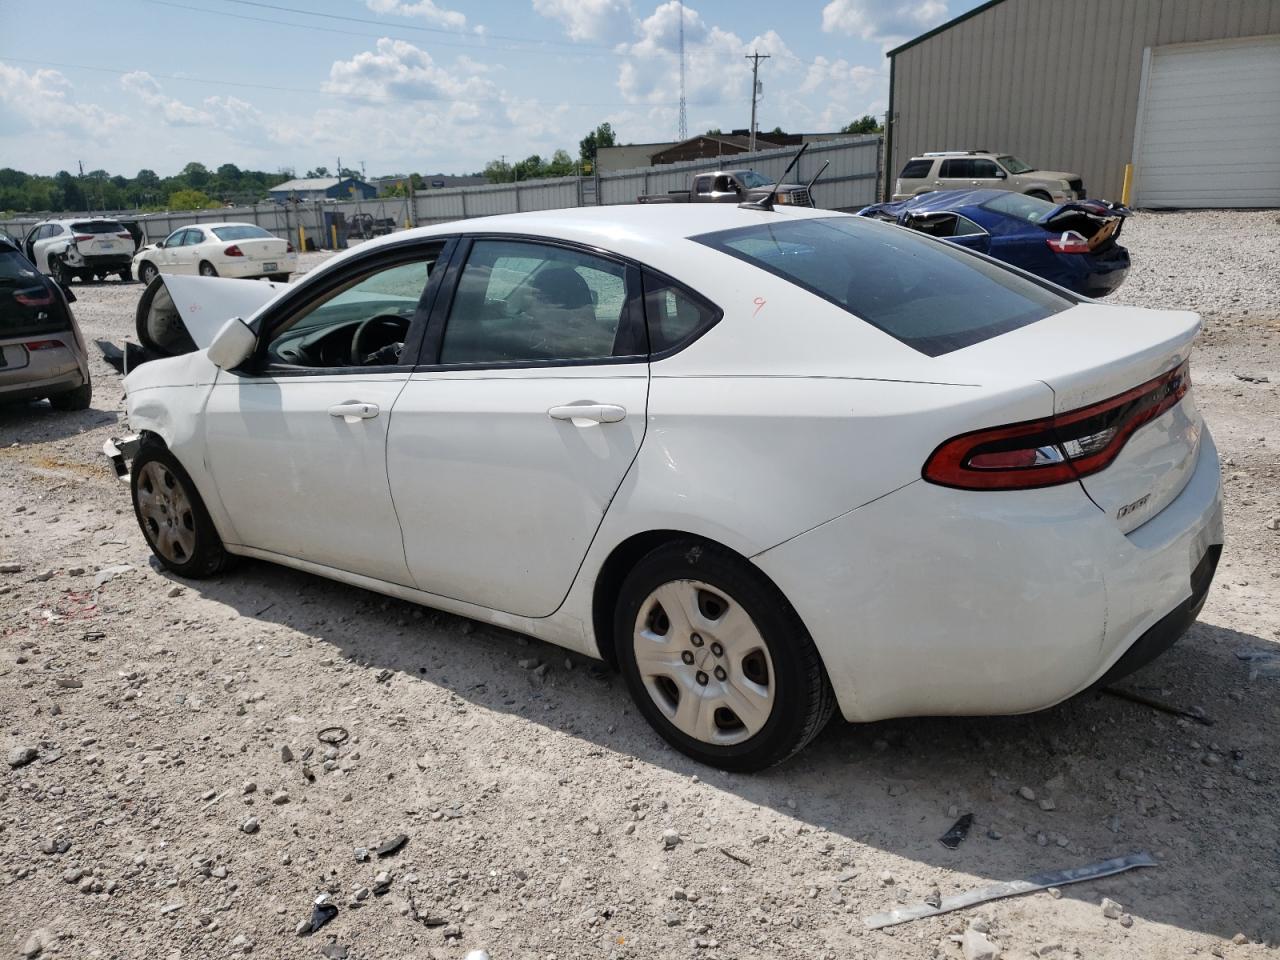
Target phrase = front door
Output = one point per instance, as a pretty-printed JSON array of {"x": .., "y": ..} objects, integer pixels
[
  {"x": 297, "y": 440},
  {"x": 505, "y": 452}
]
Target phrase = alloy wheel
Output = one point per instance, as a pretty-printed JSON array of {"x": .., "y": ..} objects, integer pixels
[
  {"x": 704, "y": 662},
  {"x": 166, "y": 512}
]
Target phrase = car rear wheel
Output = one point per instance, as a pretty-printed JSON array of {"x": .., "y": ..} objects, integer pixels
[
  {"x": 716, "y": 659},
  {"x": 77, "y": 399},
  {"x": 60, "y": 272},
  {"x": 279, "y": 278},
  {"x": 172, "y": 516},
  {"x": 147, "y": 272},
  {"x": 126, "y": 276},
  {"x": 206, "y": 269},
  {"x": 1041, "y": 195}
]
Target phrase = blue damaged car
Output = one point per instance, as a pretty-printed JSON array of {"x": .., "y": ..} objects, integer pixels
[{"x": 1073, "y": 244}]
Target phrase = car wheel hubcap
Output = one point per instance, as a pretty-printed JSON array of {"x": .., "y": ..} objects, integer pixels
[
  {"x": 704, "y": 663},
  {"x": 166, "y": 513}
]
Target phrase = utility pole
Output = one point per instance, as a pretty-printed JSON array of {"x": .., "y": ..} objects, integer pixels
[
  {"x": 684, "y": 119},
  {"x": 755, "y": 59}
]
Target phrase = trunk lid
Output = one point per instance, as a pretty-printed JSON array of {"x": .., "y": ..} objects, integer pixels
[
  {"x": 1093, "y": 353},
  {"x": 1097, "y": 221},
  {"x": 263, "y": 249}
]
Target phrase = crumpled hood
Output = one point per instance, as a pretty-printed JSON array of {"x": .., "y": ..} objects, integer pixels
[{"x": 185, "y": 313}]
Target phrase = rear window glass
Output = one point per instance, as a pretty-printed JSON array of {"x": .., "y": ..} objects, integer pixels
[
  {"x": 1030, "y": 209},
  {"x": 916, "y": 169},
  {"x": 675, "y": 316},
  {"x": 246, "y": 231},
  {"x": 98, "y": 226},
  {"x": 956, "y": 169},
  {"x": 15, "y": 267},
  {"x": 28, "y": 303},
  {"x": 930, "y": 295}
]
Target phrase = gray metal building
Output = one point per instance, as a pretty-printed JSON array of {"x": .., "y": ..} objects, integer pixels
[{"x": 1188, "y": 91}]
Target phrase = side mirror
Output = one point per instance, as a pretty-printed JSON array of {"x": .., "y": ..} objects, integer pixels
[
  {"x": 160, "y": 244},
  {"x": 1001, "y": 175},
  {"x": 233, "y": 344}
]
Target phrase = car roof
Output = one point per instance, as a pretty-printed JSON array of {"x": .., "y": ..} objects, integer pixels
[
  {"x": 932, "y": 154},
  {"x": 644, "y": 232},
  {"x": 951, "y": 200}
]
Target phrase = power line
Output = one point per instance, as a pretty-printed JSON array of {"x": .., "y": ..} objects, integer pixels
[{"x": 359, "y": 98}]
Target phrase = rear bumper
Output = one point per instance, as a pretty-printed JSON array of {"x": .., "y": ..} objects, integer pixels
[
  {"x": 44, "y": 372},
  {"x": 932, "y": 601},
  {"x": 105, "y": 263},
  {"x": 256, "y": 268}
]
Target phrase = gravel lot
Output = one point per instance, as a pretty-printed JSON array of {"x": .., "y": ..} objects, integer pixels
[{"x": 161, "y": 819}]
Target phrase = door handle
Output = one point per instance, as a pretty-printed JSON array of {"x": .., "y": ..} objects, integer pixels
[
  {"x": 595, "y": 412},
  {"x": 354, "y": 410}
]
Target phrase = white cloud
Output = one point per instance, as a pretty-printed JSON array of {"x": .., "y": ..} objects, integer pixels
[
  {"x": 716, "y": 71},
  {"x": 171, "y": 111},
  {"x": 598, "y": 20},
  {"x": 41, "y": 100},
  {"x": 882, "y": 20},
  {"x": 397, "y": 70},
  {"x": 424, "y": 9}
]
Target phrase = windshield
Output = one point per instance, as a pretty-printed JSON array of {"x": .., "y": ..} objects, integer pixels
[
  {"x": 1030, "y": 209},
  {"x": 242, "y": 231},
  {"x": 1014, "y": 165},
  {"x": 751, "y": 179},
  {"x": 98, "y": 226},
  {"x": 929, "y": 294}
]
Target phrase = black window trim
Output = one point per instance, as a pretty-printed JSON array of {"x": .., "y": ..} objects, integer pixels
[
  {"x": 695, "y": 296},
  {"x": 433, "y": 342},
  {"x": 385, "y": 256}
]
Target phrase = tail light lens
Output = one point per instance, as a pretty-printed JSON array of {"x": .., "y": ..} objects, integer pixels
[
  {"x": 288, "y": 247},
  {"x": 1058, "y": 449},
  {"x": 82, "y": 237},
  {"x": 34, "y": 297},
  {"x": 34, "y": 345},
  {"x": 125, "y": 236},
  {"x": 233, "y": 251},
  {"x": 1069, "y": 242}
]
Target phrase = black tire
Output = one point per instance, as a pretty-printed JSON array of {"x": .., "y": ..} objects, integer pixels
[
  {"x": 1040, "y": 194},
  {"x": 207, "y": 270},
  {"x": 279, "y": 278},
  {"x": 206, "y": 557},
  {"x": 147, "y": 272},
  {"x": 77, "y": 399},
  {"x": 60, "y": 272},
  {"x": 803, "y": 700},
  {"x": 126, "y": 276}
]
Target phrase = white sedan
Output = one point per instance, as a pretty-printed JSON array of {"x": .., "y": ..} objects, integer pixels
[
  {"x": 768, "y": 463},
  {"x": 241, "y": 250}
]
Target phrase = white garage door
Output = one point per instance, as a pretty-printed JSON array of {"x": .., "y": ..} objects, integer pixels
[{"x": 1209, "y": 130}]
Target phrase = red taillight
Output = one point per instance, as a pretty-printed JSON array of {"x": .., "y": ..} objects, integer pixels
[
  {"x": 1069, "y": 242},
  {"x": 233, "y": 251},
  {"x": 34, "y": 297},
  {"x": 80, "y": 237},
  {"x": 42, "y": 344},
  {"x": 125, "y": 236},
  {"x": 288, "y": 247},
  {"x": 1058, "y": 449}
]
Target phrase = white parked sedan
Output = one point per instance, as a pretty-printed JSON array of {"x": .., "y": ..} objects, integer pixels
[
  {"x": 242, "y": 250},
  {"x": 769, "y": 463}
]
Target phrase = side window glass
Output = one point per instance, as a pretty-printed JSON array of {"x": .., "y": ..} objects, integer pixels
[
  {"x": 702, "y": 185},
  {"x": 174, "y": 239},
  {"x": 674, "y": 315},
  {"x": 191, "y": 239},
  {"x": 957, "y": 169},
  {"x": 984, "y": 169},
  {"x": 966, "y": 228},
  {"x": 528, "y": 301},
  {"x": 363, "y": 323}
]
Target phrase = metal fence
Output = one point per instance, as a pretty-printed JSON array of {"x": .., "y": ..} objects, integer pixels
[{"x": 849, "y": 182}]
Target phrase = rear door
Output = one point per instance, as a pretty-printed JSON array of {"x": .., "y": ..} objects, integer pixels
[
  {"x": 985, "y": 174},
  {"x": 954, "y": 173},
  {"x": 507, "y": 447}
]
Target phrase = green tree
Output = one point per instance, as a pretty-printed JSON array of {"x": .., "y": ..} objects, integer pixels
[
  {"x": 318, "y": 172},
  {"x": 196, "y": 175},
  {"x": 864, "y": 124},
  {"x": 190, "y": 200},
  {"x": 498, "y": 171},
  {"x": 715, "y": 132},
  {"x": 601, "y": 136}
]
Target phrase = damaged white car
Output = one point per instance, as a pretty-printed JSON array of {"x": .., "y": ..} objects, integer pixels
[{"x": 770, "y": 463}]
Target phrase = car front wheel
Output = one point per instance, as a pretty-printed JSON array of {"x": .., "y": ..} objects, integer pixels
[
  {"x": 147, "y": 272},
  {"x": 716, "y": 659},
  {"x": 172, "y": 516},
  {"x": 207, "y": 270}
]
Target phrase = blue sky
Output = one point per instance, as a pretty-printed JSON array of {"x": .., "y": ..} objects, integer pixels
[{"x": 425, "y": 85}]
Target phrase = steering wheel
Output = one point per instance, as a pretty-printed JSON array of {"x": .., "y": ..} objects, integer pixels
[{"x": 397, "y": 325}]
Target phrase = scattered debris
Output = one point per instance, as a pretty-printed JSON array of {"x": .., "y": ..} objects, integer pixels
[
  {"x": 670, "y": 839},
  {"x": 1012, "y": 888},
  {"x": 21, "y": 756},
  {"x": 286, "y": 755},
  {"x": 1193, "y": 714},
  {"x": 393, "y": 845},
  {"x": 735, "y": 856},
  {"x": 333, "y": 735},
  {"x": 956, "y": 835},
  {"x": 334, "y": 951},
  {"x": 1253, "y": 377},
  {"x": 975, "y": 946},
  {"x": 322, "y": 911},
  {"x": 1110, "y": 909}
]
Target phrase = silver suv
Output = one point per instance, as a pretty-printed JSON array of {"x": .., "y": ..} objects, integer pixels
[{"x": 984, "y": 170}]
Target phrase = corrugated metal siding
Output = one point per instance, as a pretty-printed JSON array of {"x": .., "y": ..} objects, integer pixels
[{"x": 1055, "y": 83}]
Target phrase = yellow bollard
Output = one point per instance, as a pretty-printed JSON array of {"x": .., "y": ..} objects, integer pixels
[
  {"x": 1128, "y": 182},
  {"x": 302, "y": 239},
  {"x": 334, "y": 228}
]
